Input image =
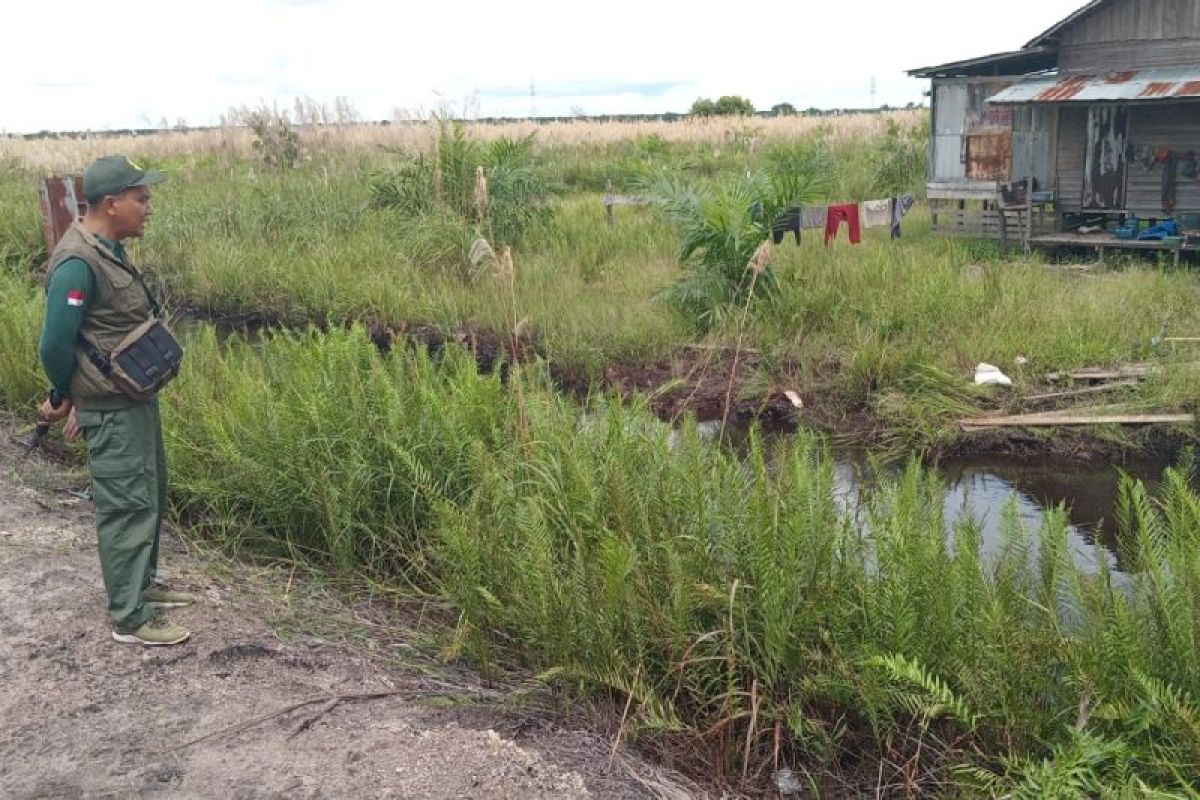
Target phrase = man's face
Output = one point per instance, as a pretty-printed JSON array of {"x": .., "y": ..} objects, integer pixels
[{"x": 128, "y": 212}]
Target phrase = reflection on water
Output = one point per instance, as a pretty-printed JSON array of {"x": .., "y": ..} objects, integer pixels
[{"x": 980, "y": 487}]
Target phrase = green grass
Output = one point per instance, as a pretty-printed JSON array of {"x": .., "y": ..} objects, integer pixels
[
  {"x": 733, "y": 602},
  {"x": 21, "y": 246},
  {"x": 22, "y": 382},
  {"x": 855, "y": 325},
  {"x": 733, "y": 605},
  {"x": 890, "y": 328}
]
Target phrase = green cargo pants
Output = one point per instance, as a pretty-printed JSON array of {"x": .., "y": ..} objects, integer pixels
[{"x": 129, "y": 485}]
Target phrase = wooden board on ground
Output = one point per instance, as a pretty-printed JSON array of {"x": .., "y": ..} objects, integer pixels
[
  {"x": 1050, "y": 419},
  {"x": 1121, "y": 372},
  {"x": 1103, "y": 387}
]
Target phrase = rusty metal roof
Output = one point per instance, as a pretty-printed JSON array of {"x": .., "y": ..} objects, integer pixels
[{"x": 1128, "y": 86}]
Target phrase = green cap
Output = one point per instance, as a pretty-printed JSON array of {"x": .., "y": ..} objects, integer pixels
[{"x": 114, "y": 174}]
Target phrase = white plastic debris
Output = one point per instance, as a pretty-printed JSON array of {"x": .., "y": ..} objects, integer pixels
[
  {"x": 787, "y": 783},
  {"x": 990, "y": 375}
]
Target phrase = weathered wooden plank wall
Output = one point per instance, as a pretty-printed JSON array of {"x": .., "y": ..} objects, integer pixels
[
  {"x": 1072, "y": 151},
  {"x": 1134, "y": 33},
  {"x": 1176, "y": 127}
]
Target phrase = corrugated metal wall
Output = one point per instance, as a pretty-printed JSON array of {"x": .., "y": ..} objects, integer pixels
[
  {"x": 1134, "y": 33},
  {"x": 989, "y": 134},
  {"x": 1072, "y": 140},
  {"x": 949, "y": 125},
  {"x": 1176, "y": 127},
  {"x": 972, "y": 139},
  {"x": 1034, "y": 131}
]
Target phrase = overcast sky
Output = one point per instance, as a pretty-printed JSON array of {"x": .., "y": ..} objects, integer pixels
[{"x": 131, "y": 63}]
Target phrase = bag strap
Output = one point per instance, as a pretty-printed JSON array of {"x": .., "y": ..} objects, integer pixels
[{"x": 94, "y": 355}]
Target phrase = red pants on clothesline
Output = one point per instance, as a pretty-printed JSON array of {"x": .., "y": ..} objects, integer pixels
[{"x": 834, "y": 218}]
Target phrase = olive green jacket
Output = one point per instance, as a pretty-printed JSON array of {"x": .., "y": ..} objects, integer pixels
[{"x": 121, "y": 303}]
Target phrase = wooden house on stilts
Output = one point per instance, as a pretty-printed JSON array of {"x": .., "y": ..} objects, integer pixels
[{"x": 1087, "y": 136}]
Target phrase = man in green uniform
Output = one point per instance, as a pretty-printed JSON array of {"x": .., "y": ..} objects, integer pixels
[{"x": 95, "y": 298}]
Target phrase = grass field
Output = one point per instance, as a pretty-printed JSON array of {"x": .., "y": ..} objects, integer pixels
[
  {"x": 745, "y": 616},
  {"x": 890, "y": 328}
]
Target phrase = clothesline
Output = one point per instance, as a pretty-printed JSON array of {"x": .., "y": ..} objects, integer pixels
[{"x": 867, "y": 214}]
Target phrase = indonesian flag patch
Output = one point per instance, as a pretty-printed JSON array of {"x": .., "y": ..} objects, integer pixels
[{"x": 75, "y": 297}]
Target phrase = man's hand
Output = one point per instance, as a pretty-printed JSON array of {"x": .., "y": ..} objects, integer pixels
[
  {"x": 71, "y": 429},
  {"x": 50, "y": 415}
]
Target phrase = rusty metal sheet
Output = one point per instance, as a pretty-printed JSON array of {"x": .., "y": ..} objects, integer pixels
[
  {"x": 1120, "y": 77},
  {"x": 1064, "y": 89},
  {"x": 1157, "y": 89},
  {"x": 989, "y": 156},
  {"x": 982, "y": 117},
  {"x": 62, "y": 204},
  {"x": 1158, "y": 83},
  {"x": 1104, "y": 167}
]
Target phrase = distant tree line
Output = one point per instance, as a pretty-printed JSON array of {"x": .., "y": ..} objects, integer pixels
[
  {"x": 707, "y": 108},
  {"x": 737, "y": 106},
  {"x": 730, "y": 105}
]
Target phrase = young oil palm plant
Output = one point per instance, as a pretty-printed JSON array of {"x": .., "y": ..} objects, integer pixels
[
  {"x": 446, "y": 181},
  {"x": 721, "y": 229}
]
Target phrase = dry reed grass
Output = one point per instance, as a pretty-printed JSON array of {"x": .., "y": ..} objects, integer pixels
[{"x": 70, "y": 153}]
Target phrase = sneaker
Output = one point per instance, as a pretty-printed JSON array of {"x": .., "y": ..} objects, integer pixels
[
  {"x": 160, "y": 597},
  {"x": 153, "y": 634}
]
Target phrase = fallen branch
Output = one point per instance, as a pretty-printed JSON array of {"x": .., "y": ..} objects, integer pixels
[
  {"x": 329, "y": 700},
  {"x": 308, "y": 721}
]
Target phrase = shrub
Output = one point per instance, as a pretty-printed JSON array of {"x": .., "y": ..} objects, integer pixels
[{"x": 494, "y": 187}]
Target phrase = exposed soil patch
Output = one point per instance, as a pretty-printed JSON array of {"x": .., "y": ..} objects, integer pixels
[{"x": 84, "y": 717}]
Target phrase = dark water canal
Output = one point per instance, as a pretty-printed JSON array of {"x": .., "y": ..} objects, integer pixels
[{"x": 981, "y": 487}]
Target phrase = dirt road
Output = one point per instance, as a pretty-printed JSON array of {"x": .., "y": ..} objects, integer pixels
[{"x": 84, "y": 717}]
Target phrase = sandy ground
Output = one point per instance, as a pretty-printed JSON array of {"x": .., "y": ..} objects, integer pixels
[{"x": 84, "y": 717}]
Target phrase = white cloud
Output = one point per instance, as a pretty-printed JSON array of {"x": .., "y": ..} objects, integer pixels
[{"x": 193, "y": 61}]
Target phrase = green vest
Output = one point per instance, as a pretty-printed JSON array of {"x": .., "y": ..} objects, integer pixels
[{"x": 120, "y": 304}]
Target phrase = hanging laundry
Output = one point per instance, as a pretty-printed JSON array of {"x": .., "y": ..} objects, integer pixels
[
  {"x": 1170, "y": 174},
  {"x": 788, "y": 220},
  {"x": 1188, "y": 165},
  {"x": 813, "y": 217},
  {"x": 876, "y": 213},
  {"x": 1143, "y": 154},
  {"x": 847, "y": 213},
  {"x": 900, "y": 206}
]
